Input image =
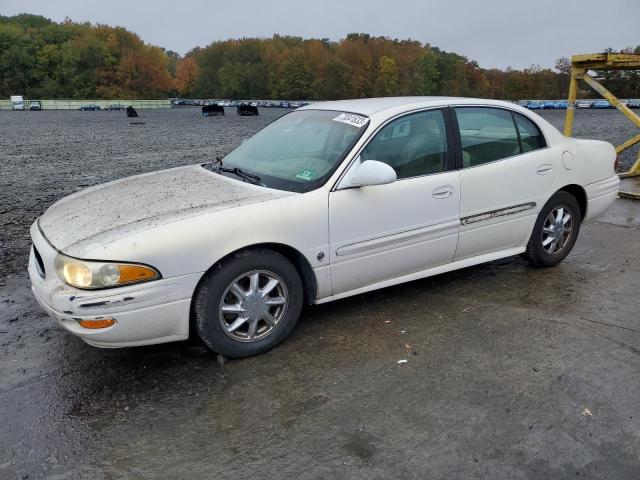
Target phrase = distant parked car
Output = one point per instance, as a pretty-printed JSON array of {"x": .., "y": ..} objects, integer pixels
[
  {"x": 115, "y": 107},
  {"x": 329, "y": 201},
  {"x": 583, "y": 104},
  {"x": 563, "y": 104},
  {"x": 601, "y": 104},
  {"x": 535, "y": 105},
  {"x": 633, "y": 103},
  {"x": 549, "y": 104},
  {"x": 35, "y": 105},
  {"x": 90, "y": 108}
]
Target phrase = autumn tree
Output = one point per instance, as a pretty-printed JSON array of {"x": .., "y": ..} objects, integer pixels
[
  {"x": 354, "y": 51},
  {"x": 186, "y": 75},
  {"x": 40, "y": 58}
]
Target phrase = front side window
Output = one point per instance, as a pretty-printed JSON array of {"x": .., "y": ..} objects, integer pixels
[
  {"x": 299, "y": 151},
  {"x": 413, "y": 145}
]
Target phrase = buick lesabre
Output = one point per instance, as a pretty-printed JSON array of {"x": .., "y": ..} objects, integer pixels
[{"x": 331, "y": 200}]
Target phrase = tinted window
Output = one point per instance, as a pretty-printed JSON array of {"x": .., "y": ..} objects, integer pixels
[
  {"x": 413, "y": 145},
  {"x": 530, "y": 136},
  {"x": 487, "y": 134}
]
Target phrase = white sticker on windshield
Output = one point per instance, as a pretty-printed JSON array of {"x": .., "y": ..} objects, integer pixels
[{"x": 351, "y": 119}]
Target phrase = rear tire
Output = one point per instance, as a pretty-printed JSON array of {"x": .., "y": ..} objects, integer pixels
[
  {"x": 248, "y": 303},
  {"x": 555, "y": 231}
]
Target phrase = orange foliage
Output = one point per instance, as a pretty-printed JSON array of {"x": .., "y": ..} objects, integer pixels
[{"x": 186, "y": 74}]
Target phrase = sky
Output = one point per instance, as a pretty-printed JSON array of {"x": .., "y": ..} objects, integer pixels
[{"x": 495, "y": 33}]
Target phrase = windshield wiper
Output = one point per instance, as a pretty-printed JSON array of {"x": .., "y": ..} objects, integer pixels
[
  {"x": 217, "y": 167},
  {"x": 249, "y": 177}
]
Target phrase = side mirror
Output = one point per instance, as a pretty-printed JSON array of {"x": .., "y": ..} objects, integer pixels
[{"x": 368, "y": 173}]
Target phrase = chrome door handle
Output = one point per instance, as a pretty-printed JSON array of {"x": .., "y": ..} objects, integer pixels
[
  {"x": 544, "y": 169},
  {"x": 442, "y": 192}
]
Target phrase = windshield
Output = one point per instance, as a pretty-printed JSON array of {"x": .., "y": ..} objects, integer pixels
[{"x": 299, "y": 151}]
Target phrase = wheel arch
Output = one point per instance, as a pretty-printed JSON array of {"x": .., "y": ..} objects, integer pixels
[
  {"x": 579, "y": 193},
  {"x": 299, "y": 261}
]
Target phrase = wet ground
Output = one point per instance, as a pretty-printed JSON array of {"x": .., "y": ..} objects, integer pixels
[{"x": 511, "y": 372}]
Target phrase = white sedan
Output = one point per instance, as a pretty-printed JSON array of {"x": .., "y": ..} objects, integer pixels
[{"x": 331, "y": 200}]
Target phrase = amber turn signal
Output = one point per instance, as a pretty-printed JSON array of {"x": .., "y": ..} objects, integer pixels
[
  {"x": 98, "y": 323},
  {"x": 135, "y": 273}
]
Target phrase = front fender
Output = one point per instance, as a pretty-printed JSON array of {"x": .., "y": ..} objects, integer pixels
[{"x": 194, "y": 244}]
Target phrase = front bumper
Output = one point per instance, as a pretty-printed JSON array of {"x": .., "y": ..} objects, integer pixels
[{"x": 148, "y": 313}]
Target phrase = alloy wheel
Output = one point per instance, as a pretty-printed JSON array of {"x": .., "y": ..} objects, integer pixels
[
  {"x": 253, "y": 306},
  {"x": 557, "y": 230}
]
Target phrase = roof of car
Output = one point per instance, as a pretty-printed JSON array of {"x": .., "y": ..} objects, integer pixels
[{"x": 370, "y": 106}]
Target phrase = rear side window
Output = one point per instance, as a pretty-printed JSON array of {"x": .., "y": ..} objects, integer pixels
[
  {"x": 487, "y": 135},
  {"x": 530, "y": 136}
]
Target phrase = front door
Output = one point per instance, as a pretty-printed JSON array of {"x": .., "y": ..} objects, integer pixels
[{"x": 386, "y": 231}]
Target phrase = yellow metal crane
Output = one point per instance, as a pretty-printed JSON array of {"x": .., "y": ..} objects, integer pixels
[{"x": 580, "y": 65}]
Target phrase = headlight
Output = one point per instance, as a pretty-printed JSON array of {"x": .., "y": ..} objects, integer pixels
[{"x": 93, "y": 275}]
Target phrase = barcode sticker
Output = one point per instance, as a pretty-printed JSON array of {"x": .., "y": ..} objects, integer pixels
[{"x": 351, "y": 119}]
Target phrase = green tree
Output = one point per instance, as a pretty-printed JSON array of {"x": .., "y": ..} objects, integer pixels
[
  {"x": 80, "y": 69},
  {"x": 453, "y": 76},
  {"x": 233, "y": 80},
  {"x": 16, "y": 65},
  {"x": 426, "y": 74},
  {"x": 337, "y": 81},
  {"x": 173, "y": 59},
  {"x": 386, "y": 83},
  {"x": 295, "y": 78}
]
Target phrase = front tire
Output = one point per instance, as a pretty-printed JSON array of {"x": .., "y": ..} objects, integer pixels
[
  {"x": 248, "y": 303},
  {"x": 555, "y": 231}
]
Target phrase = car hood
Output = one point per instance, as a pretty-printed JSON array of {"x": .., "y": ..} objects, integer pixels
[{"x": 111, "y": 211}]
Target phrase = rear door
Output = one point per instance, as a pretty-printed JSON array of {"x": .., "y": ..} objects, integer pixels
[{"x": 506, "y": 174}]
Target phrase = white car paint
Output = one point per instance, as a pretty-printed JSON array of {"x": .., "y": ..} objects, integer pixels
[
  {"x": 182, "y": 221},
  {"x": 375, "y": 235}
]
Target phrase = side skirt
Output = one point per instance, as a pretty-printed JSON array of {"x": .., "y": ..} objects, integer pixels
[{"x": 464, "y": 263}]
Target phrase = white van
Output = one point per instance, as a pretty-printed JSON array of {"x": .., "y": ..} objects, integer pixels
[{"x": 17, "y": 102}]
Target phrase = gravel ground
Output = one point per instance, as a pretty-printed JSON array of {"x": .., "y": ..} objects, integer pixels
[
  {"x": 49, "y": 154},
  {"x": 512, "y": 372}
]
